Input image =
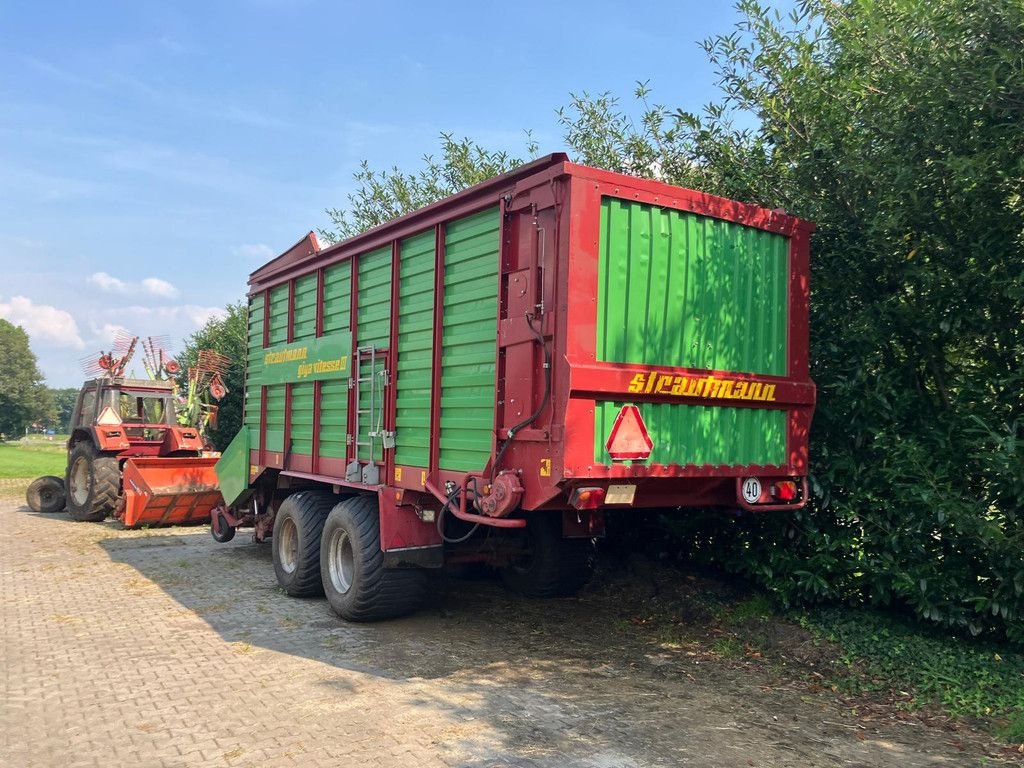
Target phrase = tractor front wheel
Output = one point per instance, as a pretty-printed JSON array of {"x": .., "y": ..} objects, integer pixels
[
  {"x": 357, "y": 585},
  {"x": 92, "y": 483}
]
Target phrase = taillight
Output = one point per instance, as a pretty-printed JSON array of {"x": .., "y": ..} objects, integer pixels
[
  {"x": 587, "y": 498},
  {"x": 784, "y": 490}
]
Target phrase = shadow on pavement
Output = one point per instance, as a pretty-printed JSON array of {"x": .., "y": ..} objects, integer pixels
[{"x": 555, "y": 682}]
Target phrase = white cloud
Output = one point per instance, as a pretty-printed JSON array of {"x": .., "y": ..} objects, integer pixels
[
  {"x": 42, "y": 322},
  {"x": 106, "y": 282},
  {"x": 192, "y": 313},
  {"x": 254, "y": 252},
  {"x": 108, "y": 332},
  {"x": 154, "y": 286},
  {"x": 158, "y": 287}
]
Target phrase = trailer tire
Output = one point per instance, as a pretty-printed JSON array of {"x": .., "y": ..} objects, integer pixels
[
  {"x": 552, "y": 566},
  {"x": 357, "y": 585},
  {"x": 295, "y": 546},
  {"x": 46, "y": 495},
  {"x": 92, "y": 484}
]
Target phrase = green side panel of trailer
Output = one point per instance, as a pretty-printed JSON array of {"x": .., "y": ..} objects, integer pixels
[
  {"x": 254, "y": 369},
  {"x": 275, "y": 417},
  {"x": 678, "y": 289},
  {"x": 305, "y": 308},
  {"x": 337, "y": 297},
  {"x": 279, "y": 314},
  {"x": 469, "y": 335},
  {"x": 278, "y": 334},
  {"x": 334, "y": 394},
  {"x": 373, "y": 329},
  {"x": 333, "y": 419},
  {"x": 701, "y": 434},
  {"x": 301, "y": 432},
  {"x": 415, "y": 349}
]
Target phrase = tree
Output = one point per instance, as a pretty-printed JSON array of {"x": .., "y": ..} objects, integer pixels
[
  {"x": 384, "y": 195},
  {"x": 23, "y": 398},
  {"x": 896, "y": 126},
  {"x": 64, "y": 401},
  {"x": 226, "y": 335}
]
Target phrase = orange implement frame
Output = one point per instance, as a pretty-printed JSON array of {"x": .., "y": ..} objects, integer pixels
[{"x": 169, "y": 491}]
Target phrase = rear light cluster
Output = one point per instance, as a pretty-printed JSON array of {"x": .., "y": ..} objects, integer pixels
[
  {"x": 756, "y": 491},
  {"x": 587, "y": 498},
  {"x": 784, "y": 490}
]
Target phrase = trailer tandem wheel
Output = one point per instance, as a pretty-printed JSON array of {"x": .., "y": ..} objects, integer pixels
[
  {"x": 357, "y": 585},
  {"x": 92, "y": 483},
  {"x": 295, "y": 546},
  {"x": 550, "y": 566}
]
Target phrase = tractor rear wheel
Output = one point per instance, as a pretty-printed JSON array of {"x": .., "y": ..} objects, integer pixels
[
  {"x": 46, "y": 495},
  {"x": 357, "y": 585},
  {"x": 549, "y": 565},
  {"x": 295, "y": 546},
  {"x": 92, "y": 483}
]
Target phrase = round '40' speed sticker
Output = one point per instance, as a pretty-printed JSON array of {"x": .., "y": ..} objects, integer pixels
[{"x": 751, "y": 490}]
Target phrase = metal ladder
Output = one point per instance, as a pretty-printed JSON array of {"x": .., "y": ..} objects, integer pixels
[{"x": 363, "y": 468}]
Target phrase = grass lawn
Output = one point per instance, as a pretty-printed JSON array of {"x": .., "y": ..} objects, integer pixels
[{"x": 32, "y": 460}]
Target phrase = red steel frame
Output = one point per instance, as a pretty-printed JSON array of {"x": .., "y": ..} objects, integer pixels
[{"x": 549, "y": 240}]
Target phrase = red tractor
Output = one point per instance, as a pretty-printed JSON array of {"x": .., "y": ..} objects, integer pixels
[
  {"x": 136, "y": 451},
  {"x": 127, "y": 457}
]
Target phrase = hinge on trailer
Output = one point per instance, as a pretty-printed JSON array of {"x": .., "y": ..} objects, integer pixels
[{"x": 351, "y": 383}]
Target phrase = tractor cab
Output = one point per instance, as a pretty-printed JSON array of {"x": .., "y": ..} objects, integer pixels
[{"x": 131, "y": 415}]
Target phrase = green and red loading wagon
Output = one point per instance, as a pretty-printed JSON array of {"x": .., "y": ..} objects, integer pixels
[{"x": 483, "y": 378}]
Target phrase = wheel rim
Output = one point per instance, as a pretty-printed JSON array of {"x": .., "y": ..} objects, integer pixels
[
  {"x": 289, "y": 546},
  {"x": 80, "y": 481},
  {"x": 341, "y": 561}
]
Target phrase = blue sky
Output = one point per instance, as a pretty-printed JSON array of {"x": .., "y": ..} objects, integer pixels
[{"x": 153, "y": 154}]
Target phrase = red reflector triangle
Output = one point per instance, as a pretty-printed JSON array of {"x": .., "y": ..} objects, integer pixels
[{"x": 628, "y": 439}]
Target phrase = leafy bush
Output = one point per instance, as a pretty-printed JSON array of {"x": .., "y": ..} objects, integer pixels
[
  {"x": 896, "y": 126},
  {"x": 962, "y": 676}
]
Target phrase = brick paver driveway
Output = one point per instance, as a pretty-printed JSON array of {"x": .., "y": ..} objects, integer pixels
[{"x": 163, "y": 648}]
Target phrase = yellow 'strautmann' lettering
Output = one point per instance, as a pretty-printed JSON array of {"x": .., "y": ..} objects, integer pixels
[
  {"x": 286, "y": 356},
  {"x": 701, "y": 386}
]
